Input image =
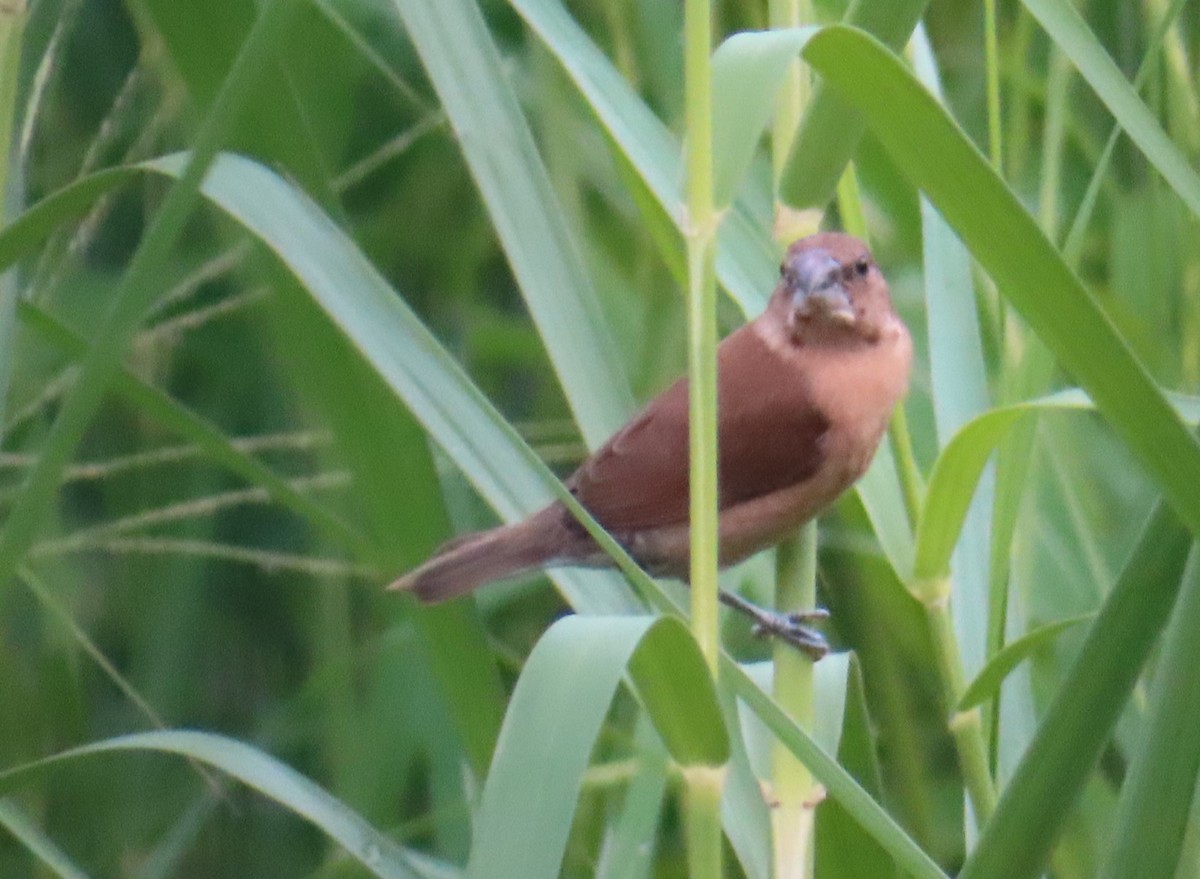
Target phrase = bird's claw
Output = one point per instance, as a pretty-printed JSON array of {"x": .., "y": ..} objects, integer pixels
[
  {"x": 791, "y": 629},
  {"x": 800, "y": 617}
]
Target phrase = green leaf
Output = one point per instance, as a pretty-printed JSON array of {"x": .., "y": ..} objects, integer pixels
[
  {"x": 747, "y": 70},
  {"x": 830, "y": 130},
  {"x": 987, "y": 683},
  {"x": 1068, "y": 29},
  {"x": 464, "y": 65},
  {"x": 1018, "y": 839},
  {"x": 267, "y": 775},
  {"x": 555, "y": 715},
  {"x": 1156, "y": 796},
  {"x": 957, "y": 469},
  {"x": 746, "y": 262}
]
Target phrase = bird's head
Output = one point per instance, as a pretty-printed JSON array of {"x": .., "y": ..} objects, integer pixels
[{"x": 831, "y": 291}]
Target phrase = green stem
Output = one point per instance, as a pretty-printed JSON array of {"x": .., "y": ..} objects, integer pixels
[
  {"x": 794, "y": 792},
  {"x": 702, "y": 326},
  {"x": 991, "y": 45},
  {"x": 703, "y": 786},
  {"x": 911, "y": 483},
  {"x": 703, "y": 796},
  {"x": 965, "y": 727},
  {"x": 12, "y": 25}
]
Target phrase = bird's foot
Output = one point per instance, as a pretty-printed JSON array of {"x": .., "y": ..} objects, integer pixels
[{"x": 791, "y": 628}]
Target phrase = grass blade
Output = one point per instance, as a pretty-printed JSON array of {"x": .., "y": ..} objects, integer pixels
[
  {"x": 267, "y": 775},
  {"x": 42, "y": 847},
  {"x": 1033, "y": 807},
  {"x": 1156, "y": 796},
  {"x": 464, "y": 65},
  {"x": 987, "y": 683},
  {"x": 135, "y": 293},
  {"x": 554, "y": 717},
  {"x": 1068, "y": 29},
  {"x": 830, "y": 130}
]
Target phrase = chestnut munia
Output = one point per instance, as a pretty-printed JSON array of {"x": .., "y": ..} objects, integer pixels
[{"x": 805, "y": 392}]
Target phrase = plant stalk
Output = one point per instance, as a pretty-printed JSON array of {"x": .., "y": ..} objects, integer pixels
[
  {"x": 702, "y": 325},
  {"x": 12, "y": 26},
  {"x": 794, "y": 791},
  {"x": 703, "y": 787},
  {"x": 966, "y": 727}
]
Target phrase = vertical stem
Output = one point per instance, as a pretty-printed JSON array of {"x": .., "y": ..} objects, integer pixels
[
  {"x": 794, "y": 791},
  {"x": 703, "y": 797},
  {"x": 12, "y": 25},
  {"x": 703, "y": 820},
  {"x": 992, "y": 53},
  {"x": 702, "y": 326},
  {"x": 965, "y": 727}
]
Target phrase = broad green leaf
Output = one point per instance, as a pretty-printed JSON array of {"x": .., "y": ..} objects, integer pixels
[
  {"x": 747, "y": 70},
  {"x": 1156, "y": 796},
  {"x": 1068, "y": 29},
  {"x": 987, "y": 683},
  {"x": 1033, "y": 807},
  {"x": 830, "y": 130},
  {"x": 264, "y": 773},
  {"x": 555, "y": 715},
  {"x": 464, "y": 65},
  {"x": 933, "y": 151}
]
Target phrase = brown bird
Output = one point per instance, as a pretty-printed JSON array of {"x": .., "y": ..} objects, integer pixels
[{"x": 805, "y": 392}]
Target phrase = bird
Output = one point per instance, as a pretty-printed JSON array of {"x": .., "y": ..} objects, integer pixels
[{"x": 804, "y": 394}]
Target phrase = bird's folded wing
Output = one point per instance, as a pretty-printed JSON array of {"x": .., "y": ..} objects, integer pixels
[{"x": 769, "y": 438}]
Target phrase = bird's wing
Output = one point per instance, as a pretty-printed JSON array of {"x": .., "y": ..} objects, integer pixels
[{"x": 769, "y": 438}]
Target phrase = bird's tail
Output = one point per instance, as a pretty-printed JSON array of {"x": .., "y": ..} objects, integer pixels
[{"x": 468, "y": 562}]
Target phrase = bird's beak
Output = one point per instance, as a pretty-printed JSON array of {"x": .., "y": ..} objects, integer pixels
[{"x": 818, "y": 289}]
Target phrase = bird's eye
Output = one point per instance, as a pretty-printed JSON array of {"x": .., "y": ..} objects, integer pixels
[{"x": 862, "y": 266}]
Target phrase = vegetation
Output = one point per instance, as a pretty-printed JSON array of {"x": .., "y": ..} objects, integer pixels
[{"x": 297, "y": 289}]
